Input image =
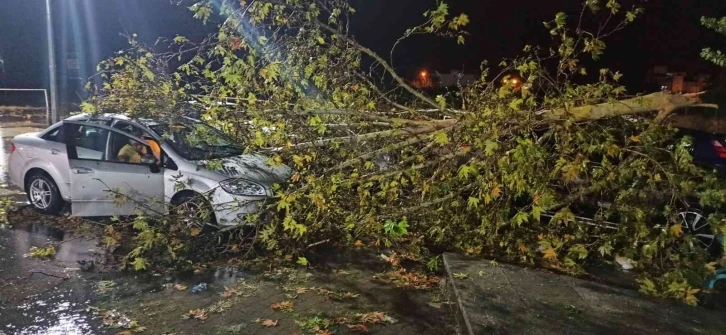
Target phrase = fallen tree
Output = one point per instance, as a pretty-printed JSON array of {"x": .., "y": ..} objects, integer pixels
[{"x": 380, "y": 163}]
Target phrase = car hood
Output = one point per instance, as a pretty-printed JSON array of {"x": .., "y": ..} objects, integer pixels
[{"x": 255, "y": 167}]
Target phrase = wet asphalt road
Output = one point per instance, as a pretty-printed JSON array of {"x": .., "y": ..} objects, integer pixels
[{"x": 40, "y": 297}]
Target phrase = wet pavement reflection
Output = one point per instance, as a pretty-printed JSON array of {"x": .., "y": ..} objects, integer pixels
[{"x": 44, "y": 297}]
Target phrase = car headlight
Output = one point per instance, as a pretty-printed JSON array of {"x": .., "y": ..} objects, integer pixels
[{"x": 243, "y": 187}]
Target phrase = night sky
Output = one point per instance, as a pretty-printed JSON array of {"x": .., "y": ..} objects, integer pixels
[{"x": 669, "y": 34}]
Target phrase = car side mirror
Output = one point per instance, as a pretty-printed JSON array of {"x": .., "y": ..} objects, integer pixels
[{"x": 148, "y": 159}]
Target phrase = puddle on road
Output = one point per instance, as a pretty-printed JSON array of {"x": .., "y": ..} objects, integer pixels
[
  {"x": 54, "y": 306},
  {"x": 54, "y": 316}
]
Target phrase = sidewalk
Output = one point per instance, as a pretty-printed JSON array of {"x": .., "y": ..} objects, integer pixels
[{"x": 506, "y": 299}]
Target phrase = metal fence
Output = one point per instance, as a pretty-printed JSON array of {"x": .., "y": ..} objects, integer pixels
[{"x": 45, "y": 96}]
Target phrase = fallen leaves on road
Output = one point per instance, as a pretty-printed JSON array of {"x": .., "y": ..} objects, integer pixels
[
  {"x": 285, "y": 305},
  {"x": 46, "y": 252},
  {"x": 375, "y": 318},
  {"x": 358, "y": 328},
  {"x": 180, "y": 287},
  {"x": 116, "y": 320},
  {"x": 404, "y": 279},
  {"x": 198, "y": 314},
  {"x": 105, "y": 286},
  {"x": 269, "y": 323},
  {"x": 229, "y": 292}
]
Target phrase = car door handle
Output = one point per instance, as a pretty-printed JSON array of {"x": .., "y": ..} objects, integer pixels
[
  {"x": 54, "y": 151},
  {"x": 82, "y": 170}
]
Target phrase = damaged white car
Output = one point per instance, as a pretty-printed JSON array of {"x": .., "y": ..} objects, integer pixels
[{"x": 90, "y": 162}]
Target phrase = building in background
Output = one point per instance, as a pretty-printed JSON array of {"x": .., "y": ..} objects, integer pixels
[
  {"x": 455, "y": 79},
  {"x": 438, "y": 80},
  {"x": 663, "y": 78}
]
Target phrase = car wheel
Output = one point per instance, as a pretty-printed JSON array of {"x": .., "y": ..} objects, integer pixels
[
  {"x": 43, "y": 194},
  {"x": 695, "y": 222},
  {"x": 195, "y": 212}
]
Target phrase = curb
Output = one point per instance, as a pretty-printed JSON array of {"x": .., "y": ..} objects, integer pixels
[{"x": 462, "y": 319}]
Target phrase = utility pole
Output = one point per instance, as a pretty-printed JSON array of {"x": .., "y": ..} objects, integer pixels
[{"x": 51, "y": 64}]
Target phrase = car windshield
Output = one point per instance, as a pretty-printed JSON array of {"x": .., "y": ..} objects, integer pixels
[{"x": 195, "y": 140}]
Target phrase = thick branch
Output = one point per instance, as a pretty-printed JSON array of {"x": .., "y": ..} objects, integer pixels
[
  {"x": 648, "y": 103},
  {"x": 432, "y": 127}
]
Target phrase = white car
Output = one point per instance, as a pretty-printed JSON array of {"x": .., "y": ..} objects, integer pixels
[{"x": 77, "y": 161}]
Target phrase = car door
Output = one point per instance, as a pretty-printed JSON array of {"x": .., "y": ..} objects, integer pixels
[
  {"x": 104, "y": 185},
  {"x": 54, "y": 152}
]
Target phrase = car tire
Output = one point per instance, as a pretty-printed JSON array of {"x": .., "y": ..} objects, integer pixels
[
  {"x": 43, "y": 194},
  {"x": 196, "y": 210},
  {"x": 694, "y": 222}
]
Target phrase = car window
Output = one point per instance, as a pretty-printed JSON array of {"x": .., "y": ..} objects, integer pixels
[
  {"x": 54, "y": 135},
  {"x": 127, "y": 150},
  {"x": 89, "y": 142}
]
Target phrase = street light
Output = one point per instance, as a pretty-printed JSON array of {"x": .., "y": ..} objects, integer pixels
[
  {"x": 424, "y": 74},
  {"x": 51, "y": 64}
]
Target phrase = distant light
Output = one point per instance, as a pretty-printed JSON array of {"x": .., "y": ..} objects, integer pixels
[
  {"x": 515, "y": 81},
  {"x": 424, "y": 74}
]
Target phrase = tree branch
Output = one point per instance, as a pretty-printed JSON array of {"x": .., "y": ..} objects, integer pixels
[{"x": 383, "y": 63}]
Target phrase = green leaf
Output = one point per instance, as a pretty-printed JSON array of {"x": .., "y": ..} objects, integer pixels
[
  {"x": 560, "y": 19},
  {"x": 441, "y": 101},
  {"x": 88, "y": 107},
  {"x": 321, "y": 40},
  {"x": 140, "y": 263},
  {"x": 302, "y": 261},
  {"x": 460, "y": 40},
  {"x": 605, "y": 249},
  {"x": 465, "y": 171},
  {"x": 180, "y": 39},
  {"x": 473, "y": 202},
  {"x": 441, "y": 138},
  {"x": 490, "y": 147},
  {"x": 579, "y": 251}
]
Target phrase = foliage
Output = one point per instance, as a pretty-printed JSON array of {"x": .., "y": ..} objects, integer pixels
[
  {"x": 499, "y": 168},
  {"x": 6, "y": 204},
  {"x": 45, "y": 252},
  {"x": 718, "y": 25}
]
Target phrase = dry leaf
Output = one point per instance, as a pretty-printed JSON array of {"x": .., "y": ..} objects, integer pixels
[
  {"x": 295, "y": 177},
  {"x": 198, "y": 314},
  {"x": 373, "y": 317},
  {"x": 195, "y": 232},
  {"x": 285, "y": 305},
  {"x": 180, "y": 287},
  {"x": 324, "y": 332},
  {"x": 496, "y": 191},
  {"x": 358, "y": 244},
  {"x": 228, "y": 292},
  {"x": 139, "y": 329},
  {"x": 269, "y": 323},
  {"x": 677, "y": 230},
  {"x": 550, "y": 253},
  {"x": 302, "y": 290},
  {"x": 358, "y": 329},
  {"x": 635, "y": 138}
]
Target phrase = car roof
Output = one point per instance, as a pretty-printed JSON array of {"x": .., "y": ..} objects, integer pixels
[{"x": 105, "y": 116}]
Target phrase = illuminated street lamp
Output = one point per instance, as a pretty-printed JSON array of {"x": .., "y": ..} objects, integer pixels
[{"x": 424, "y": 74}]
